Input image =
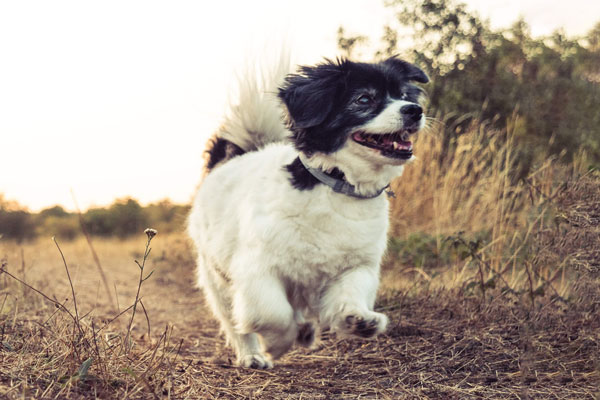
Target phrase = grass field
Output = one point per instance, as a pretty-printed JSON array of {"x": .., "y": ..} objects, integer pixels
[{"x": 492, "y": 286}]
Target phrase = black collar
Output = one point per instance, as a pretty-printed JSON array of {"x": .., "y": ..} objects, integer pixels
[{"x": 339, "y": 185}]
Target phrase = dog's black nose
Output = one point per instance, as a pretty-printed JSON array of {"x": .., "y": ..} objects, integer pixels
[
  {"x": 411, "y": 114},
  {"x": 412, "y": 110}
]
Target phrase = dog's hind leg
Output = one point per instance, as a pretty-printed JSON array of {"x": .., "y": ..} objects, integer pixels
[
  {"x": 217, "y": 292},
  {"x": 306, "y": 330}
]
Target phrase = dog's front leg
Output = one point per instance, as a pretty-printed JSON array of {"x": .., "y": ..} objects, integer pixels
[
  {"x": 347, "y": 304},
  {"x": 260, "y": 305}
]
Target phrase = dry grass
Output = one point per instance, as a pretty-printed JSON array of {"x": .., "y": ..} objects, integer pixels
[
  {"x": 474, "y": 193},
  {"x": 513, "y": 315},
  {"x": 466, "y": 184}
]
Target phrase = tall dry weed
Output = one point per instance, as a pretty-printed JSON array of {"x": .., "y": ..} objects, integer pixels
[
  {"x": 477, "y": 192},
  {"x": 51, "y": 348},
  {"x": 465, "y": 184}
]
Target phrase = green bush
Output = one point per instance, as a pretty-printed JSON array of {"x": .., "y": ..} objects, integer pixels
[
  {"x": 16, "y": 224},
  {"x": 66, "y": 227},
  {"x": 422, "y": 250},
  {"x": 123, "y": 218}
]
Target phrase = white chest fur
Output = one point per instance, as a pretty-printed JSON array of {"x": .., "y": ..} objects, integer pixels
[{"x": 249, "y": 220}]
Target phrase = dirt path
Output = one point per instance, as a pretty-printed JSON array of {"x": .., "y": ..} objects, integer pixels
[{"x": 442, "y": 344}]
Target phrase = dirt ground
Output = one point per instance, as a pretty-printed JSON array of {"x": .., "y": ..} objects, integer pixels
[{"x": 448, "y": 343}]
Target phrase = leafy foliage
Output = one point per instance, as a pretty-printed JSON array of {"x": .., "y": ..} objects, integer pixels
[
  {"x": 15, "y": 221},
  {"x": 123, "y": 218}
]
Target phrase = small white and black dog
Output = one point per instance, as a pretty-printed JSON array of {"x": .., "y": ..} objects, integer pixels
[{"x": 290, "y": 223}]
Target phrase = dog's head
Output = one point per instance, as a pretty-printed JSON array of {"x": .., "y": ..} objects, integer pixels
[{"x": 348, "y": 112}]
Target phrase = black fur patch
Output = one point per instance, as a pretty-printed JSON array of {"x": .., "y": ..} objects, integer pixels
[
  {"x": 221, "y": 150},
  {"x": 302, "y": 179},
  {"x": 360, "y": 327}
]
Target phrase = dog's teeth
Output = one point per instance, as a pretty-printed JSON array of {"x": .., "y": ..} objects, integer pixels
[{"x": 395, "y": 145}]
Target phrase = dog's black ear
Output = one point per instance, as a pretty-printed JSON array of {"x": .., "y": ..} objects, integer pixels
[
  {"x": 310, "y": 95},
  {"x": 407, "y": 69}
]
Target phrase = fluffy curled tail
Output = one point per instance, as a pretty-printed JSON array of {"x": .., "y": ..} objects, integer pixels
[{"x": 254, "y": 118}]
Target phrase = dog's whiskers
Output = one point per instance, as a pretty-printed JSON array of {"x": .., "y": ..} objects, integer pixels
[
  {"x": 432, "y": 125},
  {"x": 430, "y": 122}
]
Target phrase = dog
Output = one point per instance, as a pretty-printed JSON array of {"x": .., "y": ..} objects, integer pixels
[{"x": 290, "y": 221}]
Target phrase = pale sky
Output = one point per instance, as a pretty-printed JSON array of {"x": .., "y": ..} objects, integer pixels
[{"x": 116, "y": 98}]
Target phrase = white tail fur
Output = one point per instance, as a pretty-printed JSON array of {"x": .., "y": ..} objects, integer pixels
[{"x": 255, "y": 114}]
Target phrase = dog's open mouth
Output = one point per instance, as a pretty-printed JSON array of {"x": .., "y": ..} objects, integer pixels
[{"x": 393, "y": 145}]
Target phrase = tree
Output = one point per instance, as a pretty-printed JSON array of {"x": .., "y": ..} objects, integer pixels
[{"x": 15, "y": 221}]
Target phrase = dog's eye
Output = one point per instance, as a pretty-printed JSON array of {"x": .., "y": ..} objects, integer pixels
[
  {"x": 404, "y": 96},
  {"x": 364, "y": 100}
]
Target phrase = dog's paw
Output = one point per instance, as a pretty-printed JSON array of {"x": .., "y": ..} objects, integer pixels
[
  {"x": 306, "y": 334},
  {"x": 255, "y": 361},
  {"x": 365, "y": 326}
]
